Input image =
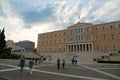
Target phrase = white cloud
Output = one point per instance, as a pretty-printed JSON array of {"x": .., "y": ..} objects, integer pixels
[{"x": 24, "y": 21}]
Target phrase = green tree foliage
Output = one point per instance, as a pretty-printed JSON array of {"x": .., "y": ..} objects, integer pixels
[
  {"x": 4, "y": 51},
  {"x": 2, "y": 42}
]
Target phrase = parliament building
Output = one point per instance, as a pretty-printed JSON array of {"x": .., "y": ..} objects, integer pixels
[{"x": 83, "y": 41}]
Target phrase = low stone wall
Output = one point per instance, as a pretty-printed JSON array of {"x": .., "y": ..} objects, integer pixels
[{"x": 82, "y": 56}]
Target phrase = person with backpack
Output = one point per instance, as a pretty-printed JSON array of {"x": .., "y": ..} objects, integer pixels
[{"x": 31, "y": 64}]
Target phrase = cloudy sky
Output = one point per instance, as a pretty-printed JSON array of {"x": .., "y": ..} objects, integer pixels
[{"x": 25, "y": 19}]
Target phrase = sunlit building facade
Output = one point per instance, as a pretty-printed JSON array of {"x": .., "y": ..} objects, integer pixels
[
  {"x": 52, "y": 42},
  {"x": 80, "y": 38},
  {"x": 107, "y": 37},
  {"x": 76, "y": 38}
]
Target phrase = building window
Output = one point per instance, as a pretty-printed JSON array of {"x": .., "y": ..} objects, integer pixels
[
  {"x": 112, "y": 36},
  {"x": 55, "y": 35},
  {"x": 103, "y": 28},
  {"x": 51, "y": 34},
  {"x": 86, "y": 30},
  {"x": 104, "y": 37},
  {"x": 96, "y": 29},
  {"x": 81, "y": 30},
  {"x": 81, "y": 37},
  {"x": 50, "y": 41},
  {"x": 113, "y": 47},
  {"x": 64, "y": 40},
  {"x": 87, "y": 38},
  {"x": 97, "y": 37},
  {"x": 119, "y": 26},
  {"x": 59, "y": 41},
  {"x": 97, "y": 48},
  {"x": 59, "y": 34},
  {"x": 64, "y": 33},
  {"x": 71, "y": 32},
  {"x": 76, "y": 30},
  {"x": 105, "y": 47},
  {"x": 55, "y": 41},
  {"x": 46, "y": 42},
  {"x": 76, "y": 37},
  {"x": 64, "y": 49},
  {"x": 111, "y": 27},
  {"x": 43, "y": 42}
]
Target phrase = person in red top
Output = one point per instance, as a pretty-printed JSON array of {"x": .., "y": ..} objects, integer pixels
[{"x": 58, "y": 63}]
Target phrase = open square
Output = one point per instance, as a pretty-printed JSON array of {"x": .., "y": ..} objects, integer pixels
[{"x": 48, "y": 71}]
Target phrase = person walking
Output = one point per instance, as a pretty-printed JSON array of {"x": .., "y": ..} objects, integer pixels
[
  {"x": 63, "y": 63},
  {"x": 31, "y": 64},
  {"x": 58, "y": 63},
  {"x": 22, "y": 63}
]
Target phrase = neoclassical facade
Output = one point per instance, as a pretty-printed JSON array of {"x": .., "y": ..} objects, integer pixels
[
  {"x": 107, "y": 37},
  {"x": 76, "y": 38},
  {"x": 80, "y": 38}
]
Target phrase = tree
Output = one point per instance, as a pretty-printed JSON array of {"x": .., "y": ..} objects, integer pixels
[
  {"x": 4, "y": 51},
  {"x": 2, "y": 42}
]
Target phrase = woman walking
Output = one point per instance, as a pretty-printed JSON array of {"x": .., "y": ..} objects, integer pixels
[{"x": 22, "y": 63}]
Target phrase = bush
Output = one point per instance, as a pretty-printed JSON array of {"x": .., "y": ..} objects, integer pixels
[
  {"x": 11, "y": 56},
  {"x": 113, "y": 62}
]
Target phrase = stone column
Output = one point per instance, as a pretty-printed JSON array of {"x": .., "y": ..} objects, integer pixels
[
  {"x": 76, "y": 48},
  {"x": 85, "y": 47},
  {"x": 69, "y": 48},
  {"x": 79, "y": 47},
  {"x": 92, "y": 47},
  {"x": 82, "y": 47}
]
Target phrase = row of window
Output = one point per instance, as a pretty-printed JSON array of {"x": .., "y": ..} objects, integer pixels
[
  {"x": 52, "y": 50},
  {"x": 53, "y": 41},
  {"x": 105, "y": 47},
  {"x": 111, "y": 27},
  {"x": 52, "y": 34},
  {"x": 105, "y": 37},
  {"x": 79, "y": 38},
  {"x": 79, "y": 30}
]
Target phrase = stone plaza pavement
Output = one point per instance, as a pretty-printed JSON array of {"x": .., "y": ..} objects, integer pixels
[{"x": 48, "y": 71}]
